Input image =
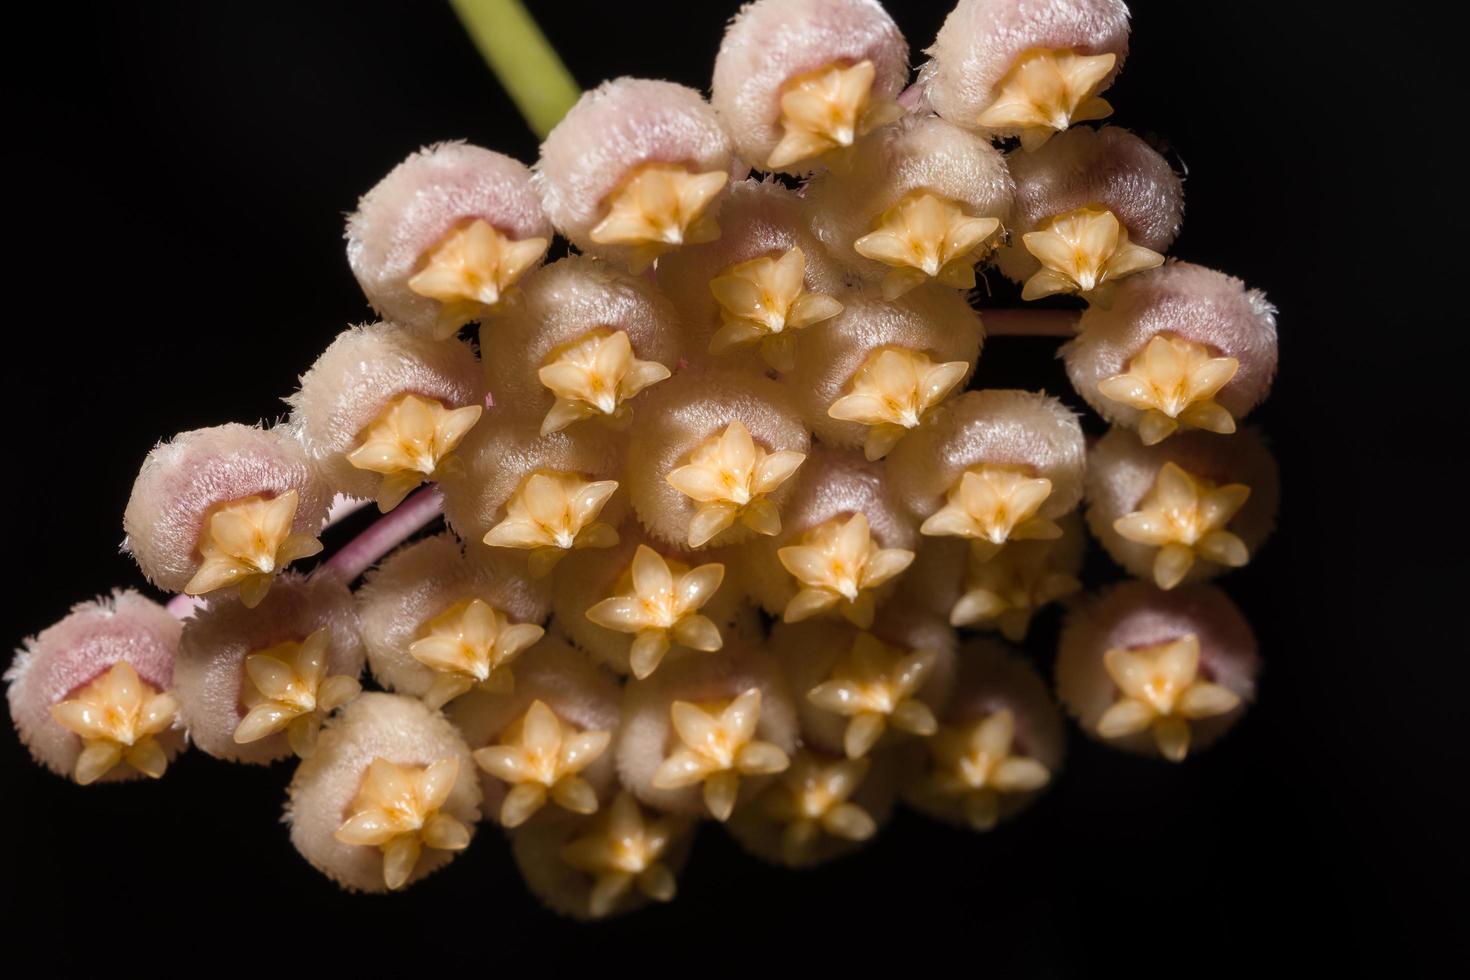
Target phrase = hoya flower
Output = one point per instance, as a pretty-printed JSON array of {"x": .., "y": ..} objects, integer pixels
[
  {"x": 1157, "y": 672},
  {"x": 388, "y": 796},
  {"x": 838, "y": 564},
  {"x": 443, "y": 240},
  {"x": 662, "y": 607},
  {"x": 1026, "y": 68},
  {"x": 1180, "y": 347},
  {"x": 636, "y": 169},
  {"x": 718, "y": 747},
  {"x": 730, "y": 477},
  {"x": 876, "y": 371},
  {"x": 543, "y": 745},
  {"x": 998, "y": 745},
  {"x": 1003, "y": 592},
  {"x": 226, "y": 507},
  {"x": 90, "y": 695},
  {"x": 795, "y": 82},
  {"x": 991, "y": 505},
  {"x": 552, "y": 513},
  {"x": 1184, "y": 510}
]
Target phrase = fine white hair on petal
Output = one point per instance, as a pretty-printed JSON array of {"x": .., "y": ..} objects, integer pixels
[
  {"x": 932, "y": 320},
  {"x": 1132, "y": 615},
  {"x": 614, "y": 128},
  {"x": 981, "y": 39},
  {"x": 210, "y": 674},
  {"x": 357, "y": 376},
  {"x": 1121, "y": 471},
  {"x": 577, "y": 691},
  {"x": 770, "y": 42},
  {"x": 423, "y": 580},
  {"x": 56, "y": 663},
  {"x": 1002, "y": 427},
  {"x": 1183, "y": 300},
  {"x": 759, "y": 219},
  {"x": 418, "y": 203},
  {"x": 400, "y": 730},
  {"x": 919, "y": 153},
  {"x": 1108, "y": 167},
  {"x": 183, "y": 478},
  {"x": 683, "y": 412},
  {"x": 559, "y": 304},
  {"x": 647, "y": 735}
]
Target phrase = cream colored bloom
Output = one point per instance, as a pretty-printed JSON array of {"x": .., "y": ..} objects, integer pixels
[
  {"x": 622, "y": 849},
  {"x": 926, "y": 237},
  {"x": 288, "y": 688},
  {"x": 1184, "y": 516},
  {"x": 1173, "y": 381},
  {"x": 470, "y": 644},
  {"x": 398, "y": 811},
  {"x": 409, "y": 442},
  {"x": 977, "y": 762},
  {"x": 662, "y": 606},
  {"x": 991, "y": 505},
  {"x": 763, "y": 301},
  {"x": 893, "y": 391},
  {"x": 812, "y": 798},
  {"x": 553, "y": 513},
  {"x": 729, "y": 476},
  {"x": 1161, "y": 691},
  {"x": 470, "y": 270},
  {"x": 874, "y": 685},
  {"x": 838, "y": 564},
  {"x": 595, "y": 375},
  {"x": 540, "y": 755},
  {"x": 658, "y": 207},
  {"x": 1082, "y": 251},
  {"x": 826, "y": 110},
  {"x": 1004, "y": 591},
  {"x": 118, "y": 716},
  {"x": 246, "y": 542},
  {"x": 1046, "y": 91},
  {"x": 719, "y": 745}
]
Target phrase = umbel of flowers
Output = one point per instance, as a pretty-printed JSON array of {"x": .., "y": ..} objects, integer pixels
[{"x": 724, "y": 530}]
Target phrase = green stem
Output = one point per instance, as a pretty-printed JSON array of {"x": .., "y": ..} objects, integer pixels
[{"x": 522, "y": 59}]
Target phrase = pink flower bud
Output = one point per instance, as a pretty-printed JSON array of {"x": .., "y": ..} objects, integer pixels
[
  {"x": 64, "y": 658},
  {"x": 433, "y": 193}
]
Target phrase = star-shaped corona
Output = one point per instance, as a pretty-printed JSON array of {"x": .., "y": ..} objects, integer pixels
[
  {"x": 838, "y": 565},
  {"x": 1005, "y": 591},
  {"x": 118, "y": 717},
  {"x": 246, "y": 542},
  {"x": 718, "y": 747},
  {"x": 471, "y": 644},
  {"x": 763, "y": 301},
  {"x": 873, "y": 686},
  {"x": 990, "y": 505},
  {"x": 658, "y": 207},
  {"x": 811, "y": 798},
  {"x": 540, "y": 756},
  {"x": 1161, "y": 691},
  {"x": 1046, "y": 91},
  {"x": 621, "y": 850},
  {"x": 1083, "y": 251},
  {"x": 1173, "y": 382},
  {"x": 552, "y": 513},
  {"x": 661, "y": 607},
  {"x": 288, "y": 689},
  {"x": 729, "y": 476},
  {"x": 926, "y": 237},
  {"x": 826, "y": 110},
  {"x": 470, "y": 271},
  {"x": 398, "y": 811},
  {"x": 594, "y": 375},
  {"x": 1184, "y": 516},
  {"x": 893, "y": 391},
  {"x": 409, "y": 443},
  {"x": 977, "y": 763}
]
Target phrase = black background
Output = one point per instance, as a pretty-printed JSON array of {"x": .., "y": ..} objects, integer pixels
[{"x": 181, "y": 172}]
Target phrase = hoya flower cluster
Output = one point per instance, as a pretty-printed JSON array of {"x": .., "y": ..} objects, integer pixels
[{"x": 727, "y": 537}]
